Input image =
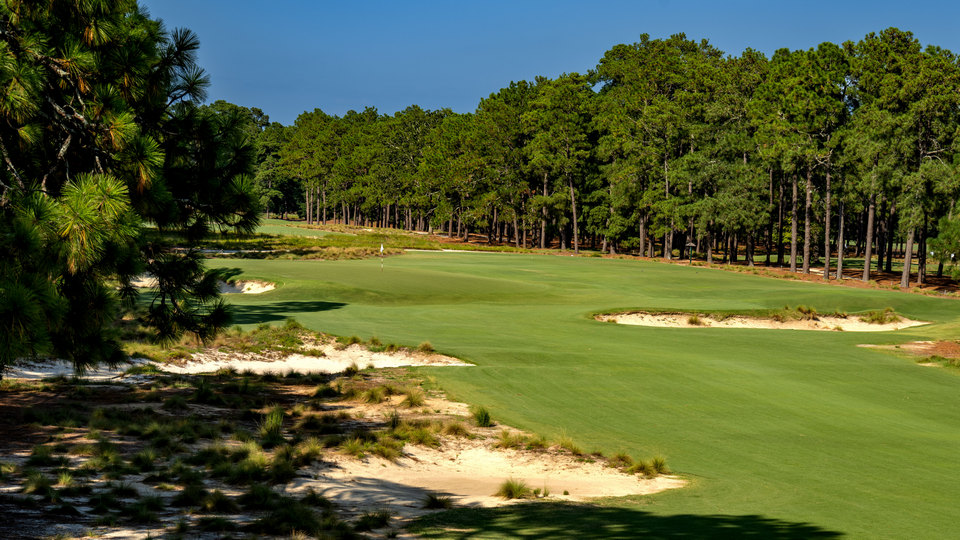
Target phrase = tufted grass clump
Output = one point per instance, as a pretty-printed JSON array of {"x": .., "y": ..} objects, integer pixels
[
  {"x": 694, "y": 320},
  {"x": 372, "y": 520},
  {"x": 433, "y": 501},
  {"x": 880, "y": 316},
  {"x": 620, "y": 460},
  {"x": 481, "y": 416},
  {"x": 414, "y": 398},
  {"x": 271, "y": 428},
  {"x": 514, "y": 489}
]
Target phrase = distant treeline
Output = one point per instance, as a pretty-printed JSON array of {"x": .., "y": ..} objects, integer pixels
[{"x": 840, "y": 150}]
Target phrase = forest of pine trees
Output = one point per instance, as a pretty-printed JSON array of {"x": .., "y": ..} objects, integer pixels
[{"x": 803, "y": 158}]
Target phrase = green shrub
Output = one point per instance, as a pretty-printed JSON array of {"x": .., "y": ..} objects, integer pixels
[
  {"x": 175, "y": 403},
  {"x": 271, "y": 428},
  {"x": 372, "y": 520},
  {"x": 455, "y": 429},
  {"x": 425, "y": 347},
  {"x": 567, "y": 444},
  {"x": 514, "y": 489},
  {"x": 659, "y": 465},
  {"x": 620, "y": 461},
  {"x": 432, "y": 501},
  {"x": 880, "y": 316},
  {"x": 414, "y": 398},
  {"x": 192, "y": 495},
  {"x": 694, "y": 320},
  {"x": 481, "y": 416},
  {"x": 510, "y": 440},
  {"x": 217, "y": 502}
]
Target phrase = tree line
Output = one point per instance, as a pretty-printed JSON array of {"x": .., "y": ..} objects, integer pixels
[{"x": 667, "y": 148}]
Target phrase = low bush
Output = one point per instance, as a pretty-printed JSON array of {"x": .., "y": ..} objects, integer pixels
[
  {"x": 433, "y": 501},
  {"x": 514, "y": 489},
  {"x": 372, "y": 520},
  {"x": 481, "y": 416}
]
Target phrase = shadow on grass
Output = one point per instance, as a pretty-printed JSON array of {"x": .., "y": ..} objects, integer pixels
[
  {"x": 564, "y": 520},
  {"x": 278, "y": 311}
]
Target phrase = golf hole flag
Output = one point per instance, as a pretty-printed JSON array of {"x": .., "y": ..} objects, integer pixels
[{"x": 381, "y": 249}]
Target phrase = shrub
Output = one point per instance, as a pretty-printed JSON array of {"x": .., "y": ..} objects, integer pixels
[
  {"x": 217, "y": 502},
  {"x": 426, "y": 347},
  {"x": 567, "y": 444},
  {"x": 694, "y": 320},
  {"x": 643, "y": 468},
  {"x": 175, "y": 403},
  {"x": 415, "y": 398},
  {"x": 259, "y": 497},
  {"x": 620, "y": 461},
  {"x": 376, "y": 394},
  {"x": 42, "y": 456},
  {"x": 514, "y": 489},
  {"x": 432, "y": 501},
  {"x": 880, "y": 316},
  {"x": 481, "y": 416},
  {"x": 807, "y": 313},
  {"x": 271, "y": 428},
  {"x": 352, "y": 370},
  {"x": 372, "y": 520},
  {"x": 192, "y": 495},
  {"x": 455, "y": 429},
  {"x": 510, "y": 440},
  {"x": 659, "y": 465}
]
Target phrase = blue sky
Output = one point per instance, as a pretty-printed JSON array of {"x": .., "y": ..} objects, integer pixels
[{"x": 288, "y": 56}]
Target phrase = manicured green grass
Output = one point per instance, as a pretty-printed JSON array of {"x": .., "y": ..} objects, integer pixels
[{"x": 782, "y": 432}]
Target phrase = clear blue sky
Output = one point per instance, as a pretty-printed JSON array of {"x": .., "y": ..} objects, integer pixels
[{"x": 288, "y": 56}]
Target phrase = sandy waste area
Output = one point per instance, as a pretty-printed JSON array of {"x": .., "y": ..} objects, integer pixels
[
  {"x": 226, "y": 287},
  {"x": 682, "y": 320}
]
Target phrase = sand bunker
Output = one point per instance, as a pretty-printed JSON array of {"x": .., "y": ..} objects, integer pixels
[
  {"x": 246, "y": 287},
  {"x": 469, "y": 471},
  {"x": 850, "y": 323},
  {"x": 147, "y": 281},
  {"x": 334, "y": 360}
]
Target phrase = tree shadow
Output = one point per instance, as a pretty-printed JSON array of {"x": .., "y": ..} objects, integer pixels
[
  {"x": 278, "y": 311},
  {"x": 569, "y": 520}
]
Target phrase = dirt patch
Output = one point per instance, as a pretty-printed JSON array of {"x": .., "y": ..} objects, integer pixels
[
  {"x": 691, "y": 320},
  {"x": 941, "y": 350}
]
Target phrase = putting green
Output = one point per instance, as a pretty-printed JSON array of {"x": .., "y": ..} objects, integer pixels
[{"x": 782, "y": 433}]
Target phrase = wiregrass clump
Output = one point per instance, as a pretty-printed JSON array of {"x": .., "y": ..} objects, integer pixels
[
  {"x": 514, "y": 489},
  {"x": 880, "y": 316},
  {"x": 481, "y": 416}
]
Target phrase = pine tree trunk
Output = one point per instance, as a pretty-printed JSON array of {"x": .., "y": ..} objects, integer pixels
[
  {"x": 841, "y": 244},
  {"x": 907, "y": 261},
  {"x": 769, "y": 239},
  {"x": 793, "y": 226},
  {"x": 543, "y": 222},
  {"x": 807, "y": 210},
  {"x": 573, "y": 203},
  {"x": 922, "y": 256},
  {"x": 826, "y": 229},
  {"x": 780, "y": 226},
  {"x": 710, "y": 243},
  {"x": 868, "y": 241}
]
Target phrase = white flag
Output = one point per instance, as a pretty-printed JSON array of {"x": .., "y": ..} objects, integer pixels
[{"x": 381, "y": 248}]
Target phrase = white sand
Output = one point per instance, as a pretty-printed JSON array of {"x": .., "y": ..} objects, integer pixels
[
  {"x": 333, "y": 361},
  {"x": 147, "y": 281},
  {"x": 681, "y": 320}
]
